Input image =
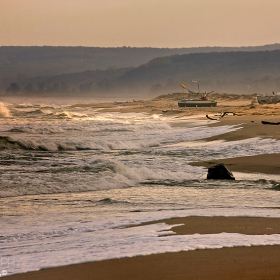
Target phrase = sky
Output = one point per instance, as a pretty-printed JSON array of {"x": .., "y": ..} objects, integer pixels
[{"x": 139, "y": 23}]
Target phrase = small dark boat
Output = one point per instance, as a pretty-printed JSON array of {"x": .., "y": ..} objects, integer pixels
[{"x": 196, "y": 103}]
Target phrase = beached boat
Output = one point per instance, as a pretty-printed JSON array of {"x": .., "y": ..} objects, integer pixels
[
  {"x": 196, "y": 103},
  {"x": 203, "y": 101}
]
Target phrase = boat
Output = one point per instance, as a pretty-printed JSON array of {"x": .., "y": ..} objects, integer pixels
[
  {"x": 203, "y": 101},
  {"x": 196, "y": 103},
  {"x": 269, "y": 99}
]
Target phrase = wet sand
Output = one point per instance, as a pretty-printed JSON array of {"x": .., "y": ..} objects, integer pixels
[
  {"x": 213, "y": 225},
  {"x": 268, "y": 164}
]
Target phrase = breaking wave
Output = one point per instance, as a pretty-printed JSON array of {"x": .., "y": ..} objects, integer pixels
[
  {"x": 36, "y": 130},
  {"x": 62, "y": 143},
  {"x": 97, "y": 175},
  {"x": 7, "y": 142},
  {"x": 4, "y": 111}
]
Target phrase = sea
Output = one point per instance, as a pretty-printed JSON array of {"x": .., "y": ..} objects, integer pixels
[{"x": 74, "y": 181}]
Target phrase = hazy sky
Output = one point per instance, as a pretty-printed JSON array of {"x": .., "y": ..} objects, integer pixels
[{"x": 139, "y": 23}]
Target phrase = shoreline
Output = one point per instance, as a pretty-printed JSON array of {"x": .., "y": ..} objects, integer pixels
[{"x": 254, "y": 262}]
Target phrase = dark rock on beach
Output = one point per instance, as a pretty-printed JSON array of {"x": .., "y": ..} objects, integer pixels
[{"x": 219, "y": 172}]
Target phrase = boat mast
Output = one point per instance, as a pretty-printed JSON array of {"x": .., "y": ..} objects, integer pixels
[{"x": 194, "y": 81}]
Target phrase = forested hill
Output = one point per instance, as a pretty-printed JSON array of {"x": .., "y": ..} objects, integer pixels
[
  {"x": 231, "y": 72},
  {"x": 228, "y": 71},
  {"x": 35, "y": 61}
]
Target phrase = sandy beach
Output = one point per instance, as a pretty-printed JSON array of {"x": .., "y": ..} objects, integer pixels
[{"x": 256, "y": 262}]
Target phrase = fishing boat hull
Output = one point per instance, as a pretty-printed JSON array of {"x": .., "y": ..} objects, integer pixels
[{"x": 197, "y": 103}]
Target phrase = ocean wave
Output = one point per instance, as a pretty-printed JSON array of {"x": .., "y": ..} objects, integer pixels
[
  {"x": 36, "y": 130},
  {"x": 45, "y": 111},
  {"x": 104, "y": 175},
  {"x": 99, "y": 174},
  {"x": 63, "y": 115},
  {"x": 51, "y": 114},
  {"x": 7, "y": 142},
  {"x": 58, "y": 144},
  {"x": 110, "y": 201},
  {"x": 30, "y": 106},
  {"x": 35, "y": 112},
  {"x": 95, "y": 167},
  {"x": 106, "y": 201}
]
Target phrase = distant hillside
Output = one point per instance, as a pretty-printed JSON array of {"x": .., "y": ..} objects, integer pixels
[
  {"x": 231, "y": 72},
  {"x": 224, "y": 72},
  {"x": 35, "y": 61}
]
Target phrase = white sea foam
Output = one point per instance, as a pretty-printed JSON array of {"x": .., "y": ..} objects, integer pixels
[
  {"x": 228, "y": 149},
  {"x": 4, "y": 111}
]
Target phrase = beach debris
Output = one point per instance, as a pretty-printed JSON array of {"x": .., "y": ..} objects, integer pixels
[
  {"x": 269, "y": 99},
  {"x": 219, "y": 172},
  {"x": 217, "y": 117},
  {"x": 273, "y": 123}
]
